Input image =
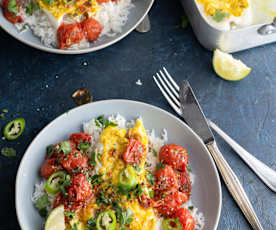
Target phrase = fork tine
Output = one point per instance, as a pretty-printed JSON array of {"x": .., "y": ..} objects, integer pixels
[
  {"x": 176, "y": 101},
  {"x": 171, "y": 79},
  {"x": 169, "y": 84},
  {"x": 176, "y": 109}
]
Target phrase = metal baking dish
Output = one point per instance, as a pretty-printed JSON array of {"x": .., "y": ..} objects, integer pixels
[{"x": 228, "y": 41}]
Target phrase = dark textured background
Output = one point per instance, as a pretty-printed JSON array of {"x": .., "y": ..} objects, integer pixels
[{"x": 38, "y": 86}]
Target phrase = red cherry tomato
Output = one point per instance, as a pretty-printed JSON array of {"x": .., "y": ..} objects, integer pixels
[
  {"x": 174, "y": 155},
  {"x": 74, "y": 160},
  {"x": 80, "y": 189},
  {"x": 11, "y": 16},
  {"x": 49, "y": 167},
  {"x": 185, "y": 218},
  {"x": 91, "y": 29},
  {"x": 165, "y": 178},
  {"x": 69, "y": 34},
  {"x": 169, "y": 201},
  {"x": 76, "y": 138},
  {"x": 145, "y": 201},
  {"x": 184, "y": 183},
  {"x": 134, "y": 152}
]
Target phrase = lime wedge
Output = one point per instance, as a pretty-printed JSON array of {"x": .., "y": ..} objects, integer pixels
[
  {"x": 228, "y": 67},
  {"x": 56, "y": 220}
]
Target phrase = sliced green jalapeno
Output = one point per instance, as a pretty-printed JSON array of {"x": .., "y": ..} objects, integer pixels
[
  {"x": 14, "y": 129},
  {"x": 171, "y": 224},
  {"x": 106, "y": 220},
  {"x": 54, "y": 182},
  {"x": 128, "y": 178}
]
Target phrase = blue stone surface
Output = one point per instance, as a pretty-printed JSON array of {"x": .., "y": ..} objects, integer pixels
[{"x": 38, "y": 86}]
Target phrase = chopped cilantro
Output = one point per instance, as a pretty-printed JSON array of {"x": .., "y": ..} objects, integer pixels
[
  {"x": 151, "y": 194},
  {"x": 100, "y": 119},
  {"x": 125, "y": 216},
  {"x": 41, "y": 205},
  {"x": 83, "y": 146},
  {"x": 191, "y": 208},
  {"x": 138, "y": 191},
  {"x": 12, "y": 7},
  {"x": 219, "y": 15},
  {"x": 33, "y": 6},
  {"x": 91, "y": 224},
  {"x": 65, "y": 184},
  {"x": 160, "y": 165},
  {"x": 150, "y": 178},
  {"x": 184, "y": 22},
  {"x": 101, "y": 199},
  {"x": 65, "y": 147},
  {"x": 70, "y": 214},
  {"x": 74, "y": 227},
  {"x": 189, "y": 168},
  {"x": 154, "y": 152},
  {"x": 109, "y": 123},
  {"x": 49, "y": 2},
  {"x": 96, "y": 179},
  {"x": 93, "y": 160},
  {"x": 8, "y": 152},
  {"x": 50, "y": 150}
]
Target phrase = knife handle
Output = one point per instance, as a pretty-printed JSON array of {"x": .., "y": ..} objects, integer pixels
[{"x": 234, "y": 186}]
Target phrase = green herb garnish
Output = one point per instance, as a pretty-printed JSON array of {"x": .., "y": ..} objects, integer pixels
[
  {"x": 189, "y": 168},
  {"x": 5, "y": 110},
  {"x": 151, "y": 194},
  {"x": 2, "y": 116},
  {"x": 49, "y": 2},
  {"x": 154, "y": 152},
  {"x": 251, "y": 181},
  {"x": 50, "y": 150},
  {"x": 93, "y": 160},
  {"x": 33, "y": 6},
  {"x": 96, "y": 179},
  {"x": 101, "y": 199},
  {"x": 150, "y": 178},
  {"x": 109, "y": 123},
  {"x": 84, "y": 146},
  {"x": 91, "y": 224},
  {"x": 41, "y": 205},
  {"x": 219, "y": 15},
  {"x": 191, "y": 208},
  {"x": 160, "y": 165},
  {"x": 70, "y": 214},
  {"x": 12, "y": 7},
  {"x": 8, "y": 152},
  {"x": 123, "y": 215},
  {"x": 65, "y": 184},
  {"x": 74, "y": 227},
  {"x": 64, "y": 147}
]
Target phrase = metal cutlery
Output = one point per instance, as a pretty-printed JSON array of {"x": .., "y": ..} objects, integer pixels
[
  {"x": 266, "y": 174},
  {"x": 184, "y": 102}
]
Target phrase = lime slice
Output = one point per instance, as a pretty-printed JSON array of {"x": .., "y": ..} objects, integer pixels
[
  {"x": 228, "y": 67},
  {"x": 56, "y": 220}
]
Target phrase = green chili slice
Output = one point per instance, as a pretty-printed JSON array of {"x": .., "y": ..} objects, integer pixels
[
  {"x": 171, "y": 224},
  {"x": 106, "y": 220},
  {"x": 128, "y": 178},
  {"x": 54, "y": 182},
  {"x": 14, "y": 129}
]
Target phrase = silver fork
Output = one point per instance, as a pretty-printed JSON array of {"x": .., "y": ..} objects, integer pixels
[{"x": 170, "y": 91}]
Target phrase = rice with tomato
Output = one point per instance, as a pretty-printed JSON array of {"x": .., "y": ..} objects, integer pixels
[
  {"x": 118, "y": 175},
  {"x": 68, "y": 24}
]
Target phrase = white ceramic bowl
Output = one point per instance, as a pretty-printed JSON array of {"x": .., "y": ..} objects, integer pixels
[
  {"x": 137, "y": 14},
  {"x": 206, "y": 190}
]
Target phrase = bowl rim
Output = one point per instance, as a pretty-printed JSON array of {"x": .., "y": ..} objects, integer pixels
[
  {"x": 78, "y": 51},
  {"x": 120, "y": 101}
]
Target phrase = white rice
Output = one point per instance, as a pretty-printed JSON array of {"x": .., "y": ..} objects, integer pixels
[
  {"x": 155, "y": 142},
  {"x": 111, "y": 15}
]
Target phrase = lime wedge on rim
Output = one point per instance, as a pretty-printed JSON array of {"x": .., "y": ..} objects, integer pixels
[
  {"x": 56, "y": 220},
  {"x": 228, "y": 67}
]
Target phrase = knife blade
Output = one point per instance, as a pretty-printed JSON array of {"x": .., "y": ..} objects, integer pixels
[
  {"x": 195, "y": 118},
  {"x": 193, "y": 114}
]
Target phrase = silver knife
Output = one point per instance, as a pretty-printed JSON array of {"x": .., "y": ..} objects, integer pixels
[{"x": 194, "y": 117}]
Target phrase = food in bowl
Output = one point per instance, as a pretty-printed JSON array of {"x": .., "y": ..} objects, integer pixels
[
  {"x": 116, "y": 175},
  {"x": 68, "y": 24},
  {"x": 226, "y": 14}
]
